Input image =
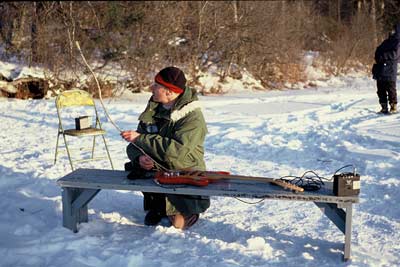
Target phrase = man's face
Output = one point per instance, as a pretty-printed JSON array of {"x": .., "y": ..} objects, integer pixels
[{"x": 159, "y": 93}]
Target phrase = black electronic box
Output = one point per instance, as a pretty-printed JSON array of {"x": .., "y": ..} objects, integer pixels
[
  {"x": 83, "y": 122},
  {"x": 346, "y": 184}
]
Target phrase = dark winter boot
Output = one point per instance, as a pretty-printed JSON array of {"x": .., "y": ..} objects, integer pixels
[
  {"x": 393, "y": 108},
  {"x": 128, "y": 166},
  {"x": 384, "y": 109},
  {"x": 153, "y": 217}
]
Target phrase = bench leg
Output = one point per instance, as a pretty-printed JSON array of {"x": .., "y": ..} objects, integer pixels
[
  {"x": 342, "y": 219},
  {"x": 69, "y": 220},
  {"x": 75, "y": 208},
  {"x": 347, "y": 238}
]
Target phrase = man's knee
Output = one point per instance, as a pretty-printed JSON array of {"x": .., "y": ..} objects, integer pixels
[
  {"x": 183, "y": 222},
  {"x": 131, "y": 151}
]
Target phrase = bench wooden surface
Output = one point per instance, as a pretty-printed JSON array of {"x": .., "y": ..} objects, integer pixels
[
  {"x": 82, "y": 185},
  {"x": 113, "y": 179}
]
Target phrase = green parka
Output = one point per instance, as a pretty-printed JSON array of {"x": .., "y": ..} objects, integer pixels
[{"x": 174, "y": 138}]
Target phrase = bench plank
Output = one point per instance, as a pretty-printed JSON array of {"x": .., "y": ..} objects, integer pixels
[
  {"x": 81, "y": 186},
  {"x": 112, "y": 179}
]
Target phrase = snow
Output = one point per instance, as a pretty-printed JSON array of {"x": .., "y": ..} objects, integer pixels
[
  {"x": 210, "y": 82},
  {"x": 257, "y": 133},
  {"x": 15, "y": 70}
]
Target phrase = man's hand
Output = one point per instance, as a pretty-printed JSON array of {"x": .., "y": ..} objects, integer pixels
[
  {"x": 130, "y": 136},
  {"x": 146, "y": 162}
]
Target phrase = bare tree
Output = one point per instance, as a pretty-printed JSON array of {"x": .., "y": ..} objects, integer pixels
[
  {"x": 374, "y": 22},
  {"x": 267, "y": 38}
]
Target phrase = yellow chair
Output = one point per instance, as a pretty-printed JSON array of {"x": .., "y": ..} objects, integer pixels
[{"x": 78, "y": 98}]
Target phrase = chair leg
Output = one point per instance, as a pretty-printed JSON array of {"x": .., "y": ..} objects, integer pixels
[
  {"x": 69, "y": 155},
  {"x": 55, "y": 157},
  {"x": 108, "y": 153},
  {"x": 94, "y": 142}
]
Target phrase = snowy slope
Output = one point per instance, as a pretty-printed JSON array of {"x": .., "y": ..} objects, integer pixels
[{"x": 250, "y": 133}]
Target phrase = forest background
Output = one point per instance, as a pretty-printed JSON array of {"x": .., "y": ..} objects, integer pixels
[{"x": 267, "y": 39}]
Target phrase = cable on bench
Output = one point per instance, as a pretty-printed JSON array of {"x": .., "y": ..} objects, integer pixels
[
  {"x": 346, "y": 166},
  {"x": 251, "y": 203},
  {"x": 310, "y": 180}
]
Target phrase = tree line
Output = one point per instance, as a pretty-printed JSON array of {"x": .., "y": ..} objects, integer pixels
[{"x": 266, "y": 38}]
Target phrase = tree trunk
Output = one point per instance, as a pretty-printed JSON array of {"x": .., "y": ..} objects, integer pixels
[
  {"x": 374, "y": 22},
  {"x": 236, "y": 18},
  {"x": 7, "y": 18},
  {"x": 19, "y": 27},
  {"x": 34, "y": 35},
  {"x": 201, "y": 10}
]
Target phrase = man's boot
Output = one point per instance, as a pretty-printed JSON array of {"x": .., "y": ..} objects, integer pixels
[
  {"x": 384, "y": 109},
  {"x": 153, "y": 217},
  {"x": 393, "y": 108}
]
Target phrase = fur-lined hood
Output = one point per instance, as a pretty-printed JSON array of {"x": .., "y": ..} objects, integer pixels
[
  {"x": 185, "y": 104},
  {"x": 181, "y": 113}
]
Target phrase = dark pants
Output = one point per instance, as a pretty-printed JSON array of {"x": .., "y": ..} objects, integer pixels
[
  {"x": 151, "y": 201},
  {"x": 386, "y": 89},
  {"x": 154, "y": 201}
]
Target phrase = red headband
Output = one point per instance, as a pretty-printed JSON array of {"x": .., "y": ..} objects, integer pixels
[{"x": 169, "y": 86}]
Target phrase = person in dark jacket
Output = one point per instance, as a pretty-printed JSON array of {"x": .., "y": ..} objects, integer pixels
[
  {"x": 171, "y": 132},
  {"x": 384, "y": 71}
]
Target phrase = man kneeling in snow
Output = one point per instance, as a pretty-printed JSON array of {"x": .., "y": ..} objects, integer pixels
[{"x": 171, "y": 132}]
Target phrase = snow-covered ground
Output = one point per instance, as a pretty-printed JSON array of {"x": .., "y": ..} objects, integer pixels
[{"x": 251, "y": 133}]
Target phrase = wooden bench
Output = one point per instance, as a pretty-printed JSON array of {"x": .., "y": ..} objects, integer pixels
[{"x": 81, "y": 186}]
